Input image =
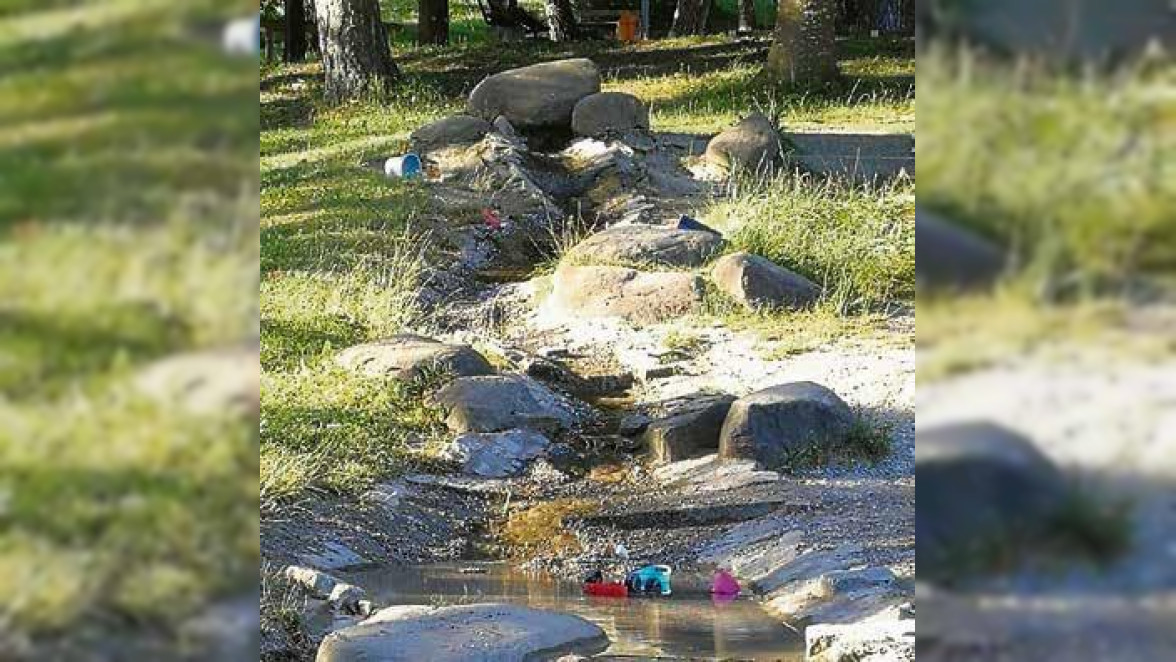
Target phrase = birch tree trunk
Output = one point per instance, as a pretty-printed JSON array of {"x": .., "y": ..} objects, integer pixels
[
  {"x": 354, "y": 46},
  {"x": 746, "y": 16},
  {"x": 561, "y": 20}
]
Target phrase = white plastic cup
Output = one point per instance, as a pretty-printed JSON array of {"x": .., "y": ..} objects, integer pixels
[{"x": 406, "y": 166}]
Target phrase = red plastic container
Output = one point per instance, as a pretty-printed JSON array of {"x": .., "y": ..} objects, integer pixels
[{"x": 606, "y": 589}]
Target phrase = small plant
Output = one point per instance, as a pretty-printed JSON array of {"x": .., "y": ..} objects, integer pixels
[{"x": 684, "y": 341}]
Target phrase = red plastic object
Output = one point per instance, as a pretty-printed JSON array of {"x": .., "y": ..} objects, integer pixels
[
  {"x": 492, "y": 220},
  {"x": 606, "y": 589}
]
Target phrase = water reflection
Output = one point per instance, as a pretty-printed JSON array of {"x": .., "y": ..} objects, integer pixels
[{"x": 689, "y": 625}]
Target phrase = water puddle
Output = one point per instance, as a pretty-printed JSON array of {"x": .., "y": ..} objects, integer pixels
[{"x": 687, "y": 625}]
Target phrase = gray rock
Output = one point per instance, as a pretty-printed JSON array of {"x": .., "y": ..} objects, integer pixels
[
  {"x": 537, "y": 96},
  {"x": 646, "y": 247},
  {"x": 607, "y": 113},
  {"x": 629, "y": 294},
  {"x": 874, "y": 641},
  {"x": 776, "y": 424},
  {"x": 316, "y": 583},
  {"x": 497, "y": 454},
  {"x": 407, "y": 357},
  {"x": 948, "y": 257},
  {"x": 757, "y": 282},
  {"x": 453, "y": 130},
  {"x": 504, "y": 128},
  {"x": 753, "y": 144},
  {"x": 466, "y": 633},
  {"x": 346, "y": 597},
  {"x": 633, "y": 425},
  {"x": 978, "y": 484},
  {"x": 211, "y": 382},
  {"x": 494, "y": 404},
  {"x": 687, "y": 427}
]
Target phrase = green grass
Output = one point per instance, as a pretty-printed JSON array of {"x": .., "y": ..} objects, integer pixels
[
  {"x": 857, "y": 243},
  {"x": 126, "y": 234},
  {"x": 1074, "y": 172}
]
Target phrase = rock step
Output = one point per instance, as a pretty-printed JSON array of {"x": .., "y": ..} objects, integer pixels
[{"x": 704, "y": 515}]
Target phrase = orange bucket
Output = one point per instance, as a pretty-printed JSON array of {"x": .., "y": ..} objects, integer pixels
[{"x": 627, "y": 26}]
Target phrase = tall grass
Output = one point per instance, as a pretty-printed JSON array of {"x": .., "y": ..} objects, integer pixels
[
  {"x": 1075, "y": 172},
  {"x": 856, "y": 242}
]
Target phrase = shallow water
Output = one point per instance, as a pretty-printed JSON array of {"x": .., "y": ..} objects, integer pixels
[{"x": 686, "y": 625}]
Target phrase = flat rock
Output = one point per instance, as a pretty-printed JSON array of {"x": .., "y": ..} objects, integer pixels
[
  {"x": 753, "y": 144},
  {"x": 407, "y": 357},
  {"x": 775, "y": 425},
  {"x": 949, "y": 257},
  {"x": 978, "y": 484},
  {"x": 453, "y": 130},
  {"x": 465, "y": 633},
  {"x": 757, "y": 282},
  {"x": 215, "y": 382},
  {"x": 316, "y": 583},
  {"x": 710, "y": 474},
  {"x": 607, "y": 113},
  {"x": 537, "y": 96},
  {"x": 498, "y": 454},
  {"x": 629, "y": 294},
  {"x": 875, "y": 641},
  {"x": 498, "y": 403},
  {"x": 646, "y": 247},
  {"x": 687, "y": 427}
]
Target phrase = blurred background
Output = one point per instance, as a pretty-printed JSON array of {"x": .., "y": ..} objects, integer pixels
[
  {"x": 128, "y": 326},
  {"x": 1046, "y": 250}
]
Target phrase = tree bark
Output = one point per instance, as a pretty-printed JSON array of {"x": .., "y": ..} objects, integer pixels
[
  {"x": 561, "y": 20},
  {"x": 804, "y": 49},
  {"x": 354, "y": 46},
  {"x": 433, "y": 23},
  {"x": 690, "y": 17},
  {"x": 746, "y": 16},
  {"x": 295, "y": 31}
]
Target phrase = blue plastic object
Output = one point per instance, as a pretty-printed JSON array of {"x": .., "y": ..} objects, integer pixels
[
  {"x": 650, "y": 579},
  {"x": 687, "y": 223}
]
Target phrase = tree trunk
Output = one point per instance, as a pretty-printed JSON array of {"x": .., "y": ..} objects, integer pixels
[
  {"x": 746, "y": 16},
  {"x": 433, "y": 23},
  {"x": 295, "y": 31},
  {"x": 804, "y": 50},
  {"x": 354, "y": 46},
  {"x": 561, "y": 20},
  {"x": 690, "y": 17}
]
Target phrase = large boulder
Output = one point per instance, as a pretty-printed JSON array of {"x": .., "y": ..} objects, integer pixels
[
  {"x": 950, "y": 258},
  {"x": 757, "y": 282},
  {"x": 647, "y": 247},
  {"x": 538, "y": 96},
  {"x": 979, "y": 486},
  {"x": 609, "y": 113},
  {"x": 453, "y": 130},
  {"x": 407, "y": 357},
  {"x": 494, "y": 404},
  {"x": 687, "y": 427},
  {"x": 636, "y": 296},
  {"x": 497, "y": 454},
  {"x": 778, "y": 424},
  {"x": 753, "y": 144},
  {"x": 464, "y": 633}
]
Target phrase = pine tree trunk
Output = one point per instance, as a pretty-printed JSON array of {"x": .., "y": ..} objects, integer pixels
[
  {"x": 561, "y": 20},
  {"x": 354, "y": 46},
  {"x": 433, "y": 23},
  {"x": 746, "y": 16},
  {"x": 690, "y": 17},
  {"x": 804, "y": 50},
  {"x": 295, "y": 31}
]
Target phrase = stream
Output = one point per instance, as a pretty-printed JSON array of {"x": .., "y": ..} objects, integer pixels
[{"x": 687, "y": 625}]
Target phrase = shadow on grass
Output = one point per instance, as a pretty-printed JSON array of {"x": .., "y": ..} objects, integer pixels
[{"x": 45, "y": 354}]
